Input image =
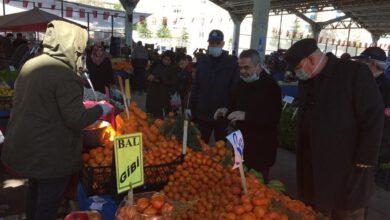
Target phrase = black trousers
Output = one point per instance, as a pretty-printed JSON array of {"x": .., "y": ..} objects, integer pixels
[
  {"x": 140, "y": 74},
  {"x": 44, "y": 197}
]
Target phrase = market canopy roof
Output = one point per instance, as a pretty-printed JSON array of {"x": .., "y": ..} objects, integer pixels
[
  {"x": 372, "y": 15},
  {"x": 32, "y": 20}
]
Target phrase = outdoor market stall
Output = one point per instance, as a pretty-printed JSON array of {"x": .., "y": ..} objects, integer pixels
[
  {"x": 163, "y": 169},
  {"x": 32, "y": 20}
]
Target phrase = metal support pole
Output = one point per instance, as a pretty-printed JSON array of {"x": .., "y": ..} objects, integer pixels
[
  {"x": 88, "y": 23},
  {"x": 3, "y": 7},
  {"x": 356, "y": 51},
  {"x": 349, "y": 33},
  {"x": 112, "y": 25},
  {"x": 280, "y": 28},
  {"x": 260, "y": 26},
  {"x": 62, "y": 8},
  {"x": 237, "y": 20},
  {"x": 326, "y": 46},
  {"x": 337, "y": 46}
]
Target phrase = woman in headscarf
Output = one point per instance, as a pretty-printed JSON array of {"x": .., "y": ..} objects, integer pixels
[
  {"x": 162, "y": 80},
  {"x": 100, "y": 69}
]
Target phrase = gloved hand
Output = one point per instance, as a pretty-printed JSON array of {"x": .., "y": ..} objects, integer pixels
[
  {"x": 236, "y": 116},
  {"x": 188, "y": 113},
  {"x": 106, "y": 108},
  {"x": 221, "y": 112}
]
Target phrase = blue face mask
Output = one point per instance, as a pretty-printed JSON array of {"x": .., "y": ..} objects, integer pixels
[
  {"x": 215, "y": 51},
  {"x": 250, "y": 79}
]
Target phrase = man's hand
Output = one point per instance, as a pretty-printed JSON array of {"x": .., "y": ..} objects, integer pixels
[
  {"x": 365, "y": 166},
  {"x": 221, "y": 112},
  {"x": 151, "y": 78},
  {"x": 236, "y": 116}
]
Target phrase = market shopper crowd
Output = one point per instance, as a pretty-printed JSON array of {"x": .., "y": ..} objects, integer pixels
[{"x": 343, "y": 117}]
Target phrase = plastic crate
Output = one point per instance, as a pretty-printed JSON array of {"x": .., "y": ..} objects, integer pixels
[
  {"x": 157, "y": 176},
  {"x": 101, "y": 180},
  {"x": 98, "y": 180}
]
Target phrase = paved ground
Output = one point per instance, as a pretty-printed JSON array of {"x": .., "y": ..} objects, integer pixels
[{"x": 12, "y": 198}]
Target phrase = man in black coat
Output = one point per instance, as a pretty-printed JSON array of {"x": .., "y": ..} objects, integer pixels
[
  {"x": 376, "y": 58},
  {"x": 255, "y": 109},
  {"x": 340, "y": 127},
  {"x": 216, "y": 76}
]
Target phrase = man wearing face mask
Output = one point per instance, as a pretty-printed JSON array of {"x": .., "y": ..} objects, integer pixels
[
  {"x": 255, "y": 109},
  {"x": 43, "y": 141},
  {"x": 376, "y": 59},
  {"x": 340, "y": 122},
  {"x": 216, "y": 76}
]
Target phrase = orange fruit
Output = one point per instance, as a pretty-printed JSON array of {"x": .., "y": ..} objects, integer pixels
[
  {"x": 239, "y": 210},
  {"x": 157, "y": 201},
  {"x": 248, "y": 216},
  {"x": 230, "y": 216},
  {"x": 99, "y": 149},
  {"x": 107, "y": 152},
  {"x": 142, "y": 204},
  {"x": 85, "y": 157},
  {"x": 150, "y": 211},
  {"x": 99, "y": 158},
  {"x": 259, "y": 211},
  {"x": 167, "y": 208}
]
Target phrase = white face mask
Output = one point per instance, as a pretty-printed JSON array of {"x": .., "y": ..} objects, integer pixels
[
  {"x": 252, "y": 78},
  {"x": 303, "y": 75},
  {"x": 215, "y": 51}
]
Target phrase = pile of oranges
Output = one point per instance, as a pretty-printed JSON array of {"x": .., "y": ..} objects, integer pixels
[
  {"x": 192, "y": 183},
  {"x": 157, "y": 148},
  {"x": 155, "y": 207},
  {"x": 218, "y": 152},
  {"x": 99, "y": 156}
]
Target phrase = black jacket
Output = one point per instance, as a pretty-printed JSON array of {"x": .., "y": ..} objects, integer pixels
[
  {"x": 158, "y": 97},
  {"x": 384, "y": 88},
  {"x": 214, "y": 82},
  {"x": 262, "y": 103},
  {"x": 101, "y": 75},
  {"x": 346, "y": 127}
]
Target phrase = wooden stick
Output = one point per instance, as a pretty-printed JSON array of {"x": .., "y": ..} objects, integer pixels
[
  {"x": 243, "y": 179},
  {"x": 185, "y": 137},
  {"x": 120, "y": 81}
]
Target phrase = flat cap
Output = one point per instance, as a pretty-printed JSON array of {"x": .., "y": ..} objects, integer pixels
[
  {"x": 299, "y": 51},
  {"x": 375, "y": 53}
]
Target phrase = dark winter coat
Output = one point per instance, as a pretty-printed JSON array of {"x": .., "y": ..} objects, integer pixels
[
  {"x": 346, "y": 129},
  {"x": 384, "y": 88},
  {"x": 101, "y": 75},
  {"x": 262, "y": 103},
  {"x": 158, "y": 97},
  {"x": 43, "y": 138},
  {"x": 213, "y": 85}
]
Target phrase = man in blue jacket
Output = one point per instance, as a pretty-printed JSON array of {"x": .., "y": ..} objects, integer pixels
[{"x": 216, "y": 76}]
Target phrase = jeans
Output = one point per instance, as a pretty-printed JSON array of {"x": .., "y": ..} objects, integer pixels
[{"x": 44, "y": 197}]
